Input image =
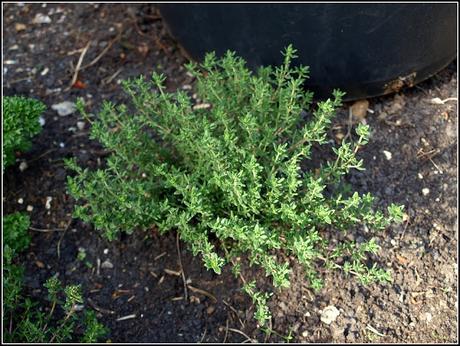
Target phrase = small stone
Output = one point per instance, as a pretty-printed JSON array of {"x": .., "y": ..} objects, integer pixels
[
  {"x": 146, "y": 289},
  {"x": 62, "y": 145},
  {"x": 210, "y": 310},
  {"x": 78, "y": 307},
  {"x": 48, "y": 202},
  {"x": 40, "y": 18},
  {"x": 64, "y": 108},
  {"x": 45, "y": 71},
  {"x": 106, "y": 251},
  {"x": 106, "y": 265},
  {"x": 29, "y": 208},
  {"x": 23, "y": 166},
  {"x": 420, "y": 176},
  {"x": 305, "y": 333},
  {"x": 39, "y": 264},
  {"x": 20, "y": 201},
  {"x": 388, "y": 155},
  {"x": 80, "y": 125},
  {"x": 425, "y": 191},
  {"x": 359, "y": 109},
  {"x": 329, "y": 314},
  {"x": 19, "y": 27},
  {"x": 428, "y": 316},
  {"x": 42, "y": 121}
]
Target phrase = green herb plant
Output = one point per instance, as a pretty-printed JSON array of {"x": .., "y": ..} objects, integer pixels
[
  {"x": 23, "y": 320},
  {"x": 20, "y": 124},
  {"x": 233, "y": 173}
]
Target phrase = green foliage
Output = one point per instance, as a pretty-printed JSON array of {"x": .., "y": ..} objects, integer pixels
[
  {"x": 94, "y": 330},
  {"x": 15, "y": 235},
  {"x": 22, "y": 319},
  {"x": 15, "y": 240},
  {"x": 235, "y": 167},
  {"x": 20, "y": 124}
]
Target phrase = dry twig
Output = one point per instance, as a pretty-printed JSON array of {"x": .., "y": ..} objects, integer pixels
[
  {"x": 181, "y": 267},
  {"x": 78, "y": 67}
]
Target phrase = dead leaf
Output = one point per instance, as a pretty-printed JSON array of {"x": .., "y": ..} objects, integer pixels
[{"x": 402, "y": 260}]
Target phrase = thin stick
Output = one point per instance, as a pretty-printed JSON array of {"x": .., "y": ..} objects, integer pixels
[
  {"x": 235, "y": 312},
  {"x": 181, "y": 267},
  {"x": 104, "y": 51},
  {"x": 45, "y": 230},
  {"x": 204, "y": 334},
  {"x": 436, "y": 166},
  {"x": 159, "y": 256},
  {"x": 350, "y": 122},
  {"x": 112, "y": 77},
  {"x": 373, "y": 330},
  {"x": 40, "y": 156},
  {"x": 240, "y": 332},
  {"x": 77, "y": 68},
  {"x": 128, "y": 317},
  {"x": 207, "y": 294},
  {"x": 62, "y": 237},
  {"x": 226, "y": 331},
  {"x": 97, "y": 308}
]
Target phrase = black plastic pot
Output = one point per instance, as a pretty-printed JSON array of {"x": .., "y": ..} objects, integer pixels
[{"x": 363, "y": 49}]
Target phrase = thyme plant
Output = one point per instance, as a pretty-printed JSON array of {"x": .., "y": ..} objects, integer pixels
[
  {"x": 20, "y": 124},
  {"x": 232, "y": 173},
  {"x": 23, "y": 321}
]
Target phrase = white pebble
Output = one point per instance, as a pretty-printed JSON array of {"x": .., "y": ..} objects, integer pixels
[
  {"x": 146, "y": 289},
  {"x": 64, "y": 108},
  {"x": 48, "y": 202},
  {"x": 106, "y": 251},
  {"x": 420, "y": 176},
  {"x": 78, "y": 307},
  {"x": 428, "y": 317},
  {"x": 30, "y": 208},
  {"x": 425, "y": 191},
  {"x": 329, "y": 314},
  {"x": 107, "y": 265},
  {"x": 40, "y": 18},
  {"x": 42, "y": 121},
  {"x": 388, "y": 155},
  {"x": 20, "y": 201},
  {"x": 80, "y": 125},
  {"x": 45, "y": 71},
  {"x": 62, "y": 145},
  {"x": 23, "y": 166}
]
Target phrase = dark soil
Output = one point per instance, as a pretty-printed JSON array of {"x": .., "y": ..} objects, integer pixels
[{"x": 419, "y": 306}]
